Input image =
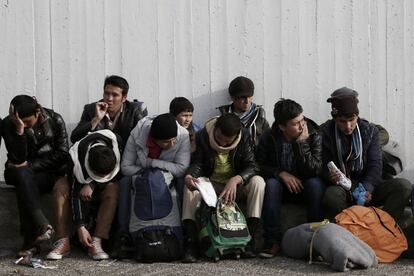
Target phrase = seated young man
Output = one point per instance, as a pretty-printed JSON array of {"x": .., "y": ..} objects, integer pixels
[
  {"x": 224, "y": 153},
  {"x": 158, "y": 142},
  {"x": 182, "y": 109},
  {"x": 290, "y": 159},
  {"x": 96, "y": 163},
  {"x": 113, "y": 112},
  {"x": 37, "y": 153},
  {"x": 352, "y": 144},
  {"x": 252, "y": 116}
]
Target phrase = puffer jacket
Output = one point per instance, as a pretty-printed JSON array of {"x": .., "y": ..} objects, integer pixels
[
  {"x": 242, "y": 157},
  {"x": 135, "y": 157},
  {"x": 370, "y": 175},
  {"x": 45, "y": 146},
  {"x": 308, "y": 153},
  {"x": 132, "y": 112},
  {"x": 257, "y": 121}
]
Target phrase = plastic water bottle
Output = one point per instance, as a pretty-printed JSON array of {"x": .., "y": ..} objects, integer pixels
[{"x": 344, "y": 181}]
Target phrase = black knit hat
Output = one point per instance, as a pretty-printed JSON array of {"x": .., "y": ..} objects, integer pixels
[
  {"x": 344, "y": 102},
  {"x": 164, "y": 127},
  {"x": 241, "y": 87},
  {"x": 180, "y": 104}
]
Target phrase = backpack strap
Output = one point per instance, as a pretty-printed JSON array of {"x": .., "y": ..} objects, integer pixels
[{"x": 382, "y": 223}]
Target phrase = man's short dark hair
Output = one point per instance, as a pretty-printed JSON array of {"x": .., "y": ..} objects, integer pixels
[
  {"x": 25, "y": 105},
  {"x": 102, "y": 160},
  {"x": 164, "y": 127},
  {"x": 180, "y": 104},
  {"x": 118, "y": 82},
  {"x": 241, "y": 87},
  {"x": 285, "y": 110},
  {"x": 229, "y": 124}
]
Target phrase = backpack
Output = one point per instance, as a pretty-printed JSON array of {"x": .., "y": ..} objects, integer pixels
[
  {"x": 155, "y": 222},
  {"x": 223, "y": 230},
  {"x": 375, "y": 227}
]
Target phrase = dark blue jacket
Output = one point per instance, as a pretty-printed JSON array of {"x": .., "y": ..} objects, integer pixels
[{"x": 370, "y": 175}]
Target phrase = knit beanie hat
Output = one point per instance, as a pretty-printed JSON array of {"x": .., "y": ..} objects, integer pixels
[
  {"x": 241, "y": 87},
  {"x": 180, "y": 104},
  {"x": 344, "y": 102},
  {"x": 164, "y": 127}
]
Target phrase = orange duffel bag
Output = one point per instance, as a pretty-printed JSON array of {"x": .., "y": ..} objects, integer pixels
[{"x": 376, "y": 228}]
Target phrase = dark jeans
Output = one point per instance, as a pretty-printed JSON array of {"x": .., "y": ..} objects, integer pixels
[
  {"x": 276, "y": 193},
  {"x": 29, "y": 187},
  {"x": 393, "y": 194}
]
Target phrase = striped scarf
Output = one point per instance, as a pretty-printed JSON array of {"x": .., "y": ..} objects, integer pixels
[
  {"x": 248, "y": 119},
  {"x": 353, "y": 161}
]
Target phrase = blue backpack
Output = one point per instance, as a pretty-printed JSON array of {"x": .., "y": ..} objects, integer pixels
[{"x": 155, "y": 221}]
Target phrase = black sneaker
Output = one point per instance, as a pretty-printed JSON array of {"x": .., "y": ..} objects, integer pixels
[
  {"x": 123, "y": 247},
  {"x": 250, "y": 250},
  {"x": 191, "y": 253}
]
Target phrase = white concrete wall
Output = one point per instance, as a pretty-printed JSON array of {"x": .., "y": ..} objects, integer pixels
[{"x": 61, "y": 50}]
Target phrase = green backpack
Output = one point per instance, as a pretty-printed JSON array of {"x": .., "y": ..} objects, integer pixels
[{"x": 223, "y": 230}]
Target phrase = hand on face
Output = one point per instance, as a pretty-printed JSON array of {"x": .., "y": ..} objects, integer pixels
[
  {"x": 101, "y": 108},
  {"x": 305, "y": 133},
  {"x": 14, "y": 116}
]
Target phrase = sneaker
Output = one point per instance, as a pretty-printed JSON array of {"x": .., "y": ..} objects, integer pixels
[
  {"x": 250, "y": 250},
  {"x": 60, "y": 249},
  {"x": 270, "y": 252},
  {"x": 123, "y": 247},
  {"x": 96, "y": 252},
  {"x": 46, "y": 233},
  {"x": 191, "y": 253}
]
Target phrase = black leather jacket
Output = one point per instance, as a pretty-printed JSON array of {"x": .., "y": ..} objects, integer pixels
[
  {"x": 308, "y": 154},
  {"x": 242, "y": 157},
  {"x": 132, "y": 112},
  {"x": 258, "y": 121},
  {"x": 45, "y": 146}
]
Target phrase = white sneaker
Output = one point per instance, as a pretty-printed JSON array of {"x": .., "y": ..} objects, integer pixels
[
  {"x": 60, "y": 249},
  {"x": 96, "y": 252}
]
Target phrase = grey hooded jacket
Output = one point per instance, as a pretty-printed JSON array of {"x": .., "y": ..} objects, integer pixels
[{"x": 135, "y": 157}]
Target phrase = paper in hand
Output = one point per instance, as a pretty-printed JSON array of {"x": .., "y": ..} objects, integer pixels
[{"x": 207, "y": 191}]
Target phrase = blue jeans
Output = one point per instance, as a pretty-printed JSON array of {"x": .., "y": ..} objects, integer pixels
[{"x": 276, "y": 192}]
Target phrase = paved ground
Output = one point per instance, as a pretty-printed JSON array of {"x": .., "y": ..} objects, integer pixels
[{"x": 79, "y": 264}]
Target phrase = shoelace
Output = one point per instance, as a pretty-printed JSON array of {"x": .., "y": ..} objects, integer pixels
[
  {"x": 97, "y": 245},
  {"x": 58, "y": 245}
]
